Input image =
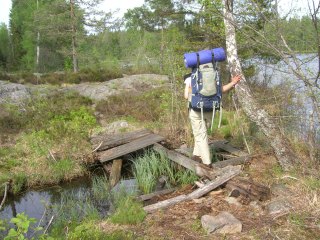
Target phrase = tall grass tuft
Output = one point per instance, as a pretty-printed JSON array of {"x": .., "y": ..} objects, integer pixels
[
  {"x": 128, "y": 211},
  {"x": 148, "y": 168}
]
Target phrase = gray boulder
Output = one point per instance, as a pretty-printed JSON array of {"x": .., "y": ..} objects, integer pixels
[
  {"x": 13, "y": 92},
  {"x": 223, "y": 223}
]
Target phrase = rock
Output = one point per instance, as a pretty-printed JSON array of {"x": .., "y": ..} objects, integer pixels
[
  {"x": 280, "y": 190},
  {"x": 279, "y": 206},
  {"x": 216, "y": 193},
  {"x": 116, "y": 126},
  {"x": 129, "y": 186},
  {"x": 257, "y": 209},
  {"x": 233, "y": 200},
  {"x": 223, "y": 223},
  {"x": 13, "y": 92},
  {"x": 199, "y": 200},
  {"x": 234, "y": 193}
]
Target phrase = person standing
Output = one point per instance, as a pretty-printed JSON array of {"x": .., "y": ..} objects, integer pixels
[{"x": 199, "y": 124}]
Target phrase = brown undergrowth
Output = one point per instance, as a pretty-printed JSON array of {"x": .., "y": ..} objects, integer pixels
[{"x": 183, "y": 220}]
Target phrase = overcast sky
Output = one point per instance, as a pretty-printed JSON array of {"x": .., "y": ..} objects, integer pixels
[
  {"x": 107, "y": 5},
  {"x": 123, "y": 5}
]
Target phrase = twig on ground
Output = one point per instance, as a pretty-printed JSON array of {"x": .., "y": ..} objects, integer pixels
[
  {"x": 45, "y": 210},
  {"x": 47, "y": 227},
  {"x": 287, "y": 176},
  {"x": 5, "y": 194},
  {"x": 51, "y": 154},
  {"x": 94, "y": 150}
]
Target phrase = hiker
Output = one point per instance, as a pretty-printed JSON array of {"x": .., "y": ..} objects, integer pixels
[{"x": 200, "y": 121}]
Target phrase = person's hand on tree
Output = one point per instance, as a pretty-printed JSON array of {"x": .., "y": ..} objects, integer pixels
[{"x": 236, "y": 79}]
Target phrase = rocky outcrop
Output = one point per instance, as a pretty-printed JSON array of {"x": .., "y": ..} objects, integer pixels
[
  {"x": 132, "y": 84},
  {"x": 16, "y": 93},
  {"x": 13, "y": 92}
]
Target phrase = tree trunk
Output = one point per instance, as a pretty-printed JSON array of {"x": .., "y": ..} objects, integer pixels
[
  {"x": 256, "y": 114},
  {"x": 38, "y": 45},
  {"x": 74, "y": 37}
]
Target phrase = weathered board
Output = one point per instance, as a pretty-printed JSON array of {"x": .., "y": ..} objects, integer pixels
[
  {"x": 127, "y": 148},
  {"x": 155, "y": 194},
  {"x": 105, "y": 142},
  {"x": 200, "y": 169},
  {"x": 115, "y": 174},
  {"x": 232, "y": 172},
  {"x": 232, "y": 161},
  {"x": 221, "y": 144},
  {"x": 177, "y": 157},
  {"x": 249, "y": 189}
]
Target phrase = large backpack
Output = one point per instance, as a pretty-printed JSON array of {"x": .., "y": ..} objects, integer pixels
[
  {"x": 206, "y": 89},
  {"x": 205, "y": 80}
]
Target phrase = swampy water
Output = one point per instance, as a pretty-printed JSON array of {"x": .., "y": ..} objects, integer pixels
[{"x": 76, "y": 199}]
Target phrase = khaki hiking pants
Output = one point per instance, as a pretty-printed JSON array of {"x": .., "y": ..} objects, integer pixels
[{"x": 199, "y": 128}]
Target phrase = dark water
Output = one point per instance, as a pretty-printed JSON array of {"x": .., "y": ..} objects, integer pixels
[
  {"x": 36, "y": 202},
  {"x": 47, "y": 202}
]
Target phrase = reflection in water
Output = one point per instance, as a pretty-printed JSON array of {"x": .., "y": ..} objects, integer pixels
[
  {"x": 38, "y": 204},
  {"x": 71, "y": 201}
]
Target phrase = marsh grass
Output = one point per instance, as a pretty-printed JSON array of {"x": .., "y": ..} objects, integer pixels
[
  {"x": 151, "y": 165},
  {"x": 101, "y": 188},
  {"x": 128, "y": 211},
  {"x": 51, "y": 135},
  {"x": 74, "y": 208},
  {"x": 78, "y": 210}
]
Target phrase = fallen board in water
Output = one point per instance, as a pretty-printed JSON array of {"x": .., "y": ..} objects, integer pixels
[{"x": 130, "y": 147}]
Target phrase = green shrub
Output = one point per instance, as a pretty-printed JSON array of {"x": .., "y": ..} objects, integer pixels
[
  {"x": 61, "y": 168},
  {"x": 90, "y": 231},
  {"x": 19, "y": 181},
  {"x": 128, "y": 211}
]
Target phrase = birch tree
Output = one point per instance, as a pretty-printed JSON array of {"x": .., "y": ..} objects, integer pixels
[{"x": 258, "y": 115}]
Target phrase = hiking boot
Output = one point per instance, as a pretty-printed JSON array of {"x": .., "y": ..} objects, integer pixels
[{"x": 196, "y": 158}]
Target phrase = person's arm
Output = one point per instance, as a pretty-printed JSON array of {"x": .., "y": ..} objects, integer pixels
[
  {"x": 186, "y": 91},
  {"x": 187, "y": 88},
  {"x": 231, "y": 84}
]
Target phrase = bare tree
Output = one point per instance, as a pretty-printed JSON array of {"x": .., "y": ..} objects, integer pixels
[{"x": 258, "y": 115}]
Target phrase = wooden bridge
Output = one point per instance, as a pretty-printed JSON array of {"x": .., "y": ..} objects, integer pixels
[{"x": 114, "y": 148}]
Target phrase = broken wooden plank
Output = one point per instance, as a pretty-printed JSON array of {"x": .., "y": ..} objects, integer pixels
[
  {"x": 222, "y": 144},
  {"x": 165, "y": 203},
  {"x": 249, "y": 189},
  {"x": 196, "y": 167},
  {"x": 197, "y": 193},
  {"x": 115, "y": 174},
  {"x": 176, "y": 157},
  {"x": 124, "y": 149},
  {"x": 105, "y": 142},
  {"x": 232, "y": 161},
  {"x": 232, "y": 172},
  {"x": 155, "y": 194}
]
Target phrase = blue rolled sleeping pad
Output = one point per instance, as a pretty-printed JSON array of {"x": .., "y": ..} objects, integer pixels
[{"x": 205, "y": 56}]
